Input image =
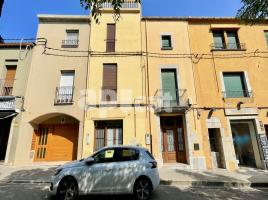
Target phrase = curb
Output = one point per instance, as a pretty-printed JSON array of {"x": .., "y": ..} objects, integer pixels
[
  {"x": 169, "y": 183},
  {"x": 238, "y": 184}
]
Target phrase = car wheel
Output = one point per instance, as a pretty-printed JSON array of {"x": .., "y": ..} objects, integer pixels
[
  {"x": 142, "y": 189},
  {"x": 67, "y": 189}
]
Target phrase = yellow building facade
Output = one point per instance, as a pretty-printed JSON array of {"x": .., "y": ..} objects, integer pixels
[{"x": 190, "y": 90}]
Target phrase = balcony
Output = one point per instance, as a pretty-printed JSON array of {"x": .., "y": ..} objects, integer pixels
[
  {"x": 7, "y": 100},
  {"x": 237, "y": 94},
  {"x": 171, "y": 101},
  {"x": 125, "y": 5},
  {"x": 109, "y": 95},
  {"x": 64, "y": 95},
  {"x": 70, "y": 43},
  {"x": 228, "y": 47}
]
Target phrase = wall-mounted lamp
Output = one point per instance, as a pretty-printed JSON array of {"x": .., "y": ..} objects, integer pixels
[
  {"x": 211, "y": 112},
  {"x": 239, "y": 105}
]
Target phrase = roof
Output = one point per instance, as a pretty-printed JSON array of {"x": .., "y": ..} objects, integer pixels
[
  {"x": 64, "y": 18},
  {"x": 194, "y": 19},
  {"x": 16, "y": 44}
]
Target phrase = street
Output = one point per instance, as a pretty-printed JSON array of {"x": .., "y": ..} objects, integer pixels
[{"x": 40, "y": 191}]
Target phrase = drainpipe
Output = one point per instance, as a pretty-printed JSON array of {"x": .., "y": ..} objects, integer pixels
[
  {"x": 87, "y": 76},
  {"x": 148, "y": 86}
]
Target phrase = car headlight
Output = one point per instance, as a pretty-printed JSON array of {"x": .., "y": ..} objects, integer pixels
[{"x": 57, "y": 172}]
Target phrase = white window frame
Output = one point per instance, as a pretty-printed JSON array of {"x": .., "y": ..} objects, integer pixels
[{"x": 171, "y": 40}]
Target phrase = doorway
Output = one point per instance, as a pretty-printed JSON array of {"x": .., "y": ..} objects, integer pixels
[
  {"x": 173, "y": 139},
  {"x": 216, "y": 147},
  {"x": 5, "y": 125},
  {"x": 245, "y": 143}
]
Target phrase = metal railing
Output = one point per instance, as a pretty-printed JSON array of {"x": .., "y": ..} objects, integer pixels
[
  {"x": 228, "y": 46},
  {"x": 109, "y": 95},
  {"x": 6, "y": 87},
  {"x": 64, "y": 95},
  {"x": 70, "y": 43},
  {"x": 237, "y": 94},
  {"x": 126, "y": 5},
  {"x": 171, "y": 99},
  {"x": 7, "y": 103}
]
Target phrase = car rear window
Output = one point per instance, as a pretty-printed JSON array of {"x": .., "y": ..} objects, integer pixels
[
  {"x": 149, "y": 154},
  {"x": 129, "y": 154}
]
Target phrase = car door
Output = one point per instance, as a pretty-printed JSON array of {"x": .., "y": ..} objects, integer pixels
[
  {"x": 102, "y": 172},
  {"x": 127, "y": 168}
]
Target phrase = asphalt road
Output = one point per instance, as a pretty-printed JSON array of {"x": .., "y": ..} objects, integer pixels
[{"x": 40, "y": 192}]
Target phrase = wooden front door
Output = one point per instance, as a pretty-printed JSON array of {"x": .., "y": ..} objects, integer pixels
[
  {"x": 56, "y": 142},
  {"x": 173, "y": 140}
]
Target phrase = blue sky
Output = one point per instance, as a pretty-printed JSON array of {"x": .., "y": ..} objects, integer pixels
[{"x": 19, "y": 16}]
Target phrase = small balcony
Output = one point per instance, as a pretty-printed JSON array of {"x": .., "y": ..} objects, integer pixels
[
  {"x": 125, "y": 5},
  {"x": 70, "y": 43},
  {"x": 228, "y": 47},
  {"x": 237, "y": 94},
  {"x": 64, "y": 95},
  {"x": 7, "y": 100},
  {"x": 171, "y": 100},
  {"x": 109, "y": 95}
]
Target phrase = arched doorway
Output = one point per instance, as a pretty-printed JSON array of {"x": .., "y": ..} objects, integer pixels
[{"x": 55, "y": 138}]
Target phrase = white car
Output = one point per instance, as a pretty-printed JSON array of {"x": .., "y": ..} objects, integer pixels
[{"x": 111, "y": 170}]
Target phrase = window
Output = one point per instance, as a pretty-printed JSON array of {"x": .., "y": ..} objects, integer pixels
[
  {"x": 64, "y": 93},
  {"x": 129, "y": 154},
  {"x": 166, "y": 42},
  {"x": 110, "y": 41},
  {"x": 109, "y": 85},
  {"x": 235, "y": 85},
  {"x": 72, "y": 39},
  {"x": 218, "y": 37},
  {"x": 226, "y": 40},
  {"x": 266, "y": 36},
  {"x": 233, "y": 42},
  {"x": 108, "y": 133},
  {"x": 107, "y": 155}
]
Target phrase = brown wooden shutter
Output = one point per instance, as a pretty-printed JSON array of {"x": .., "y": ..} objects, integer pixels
[
  {"x": 109, "y": 86},
  {"x": 110, "y": 43},
  {"x": 10, "y": 76}
]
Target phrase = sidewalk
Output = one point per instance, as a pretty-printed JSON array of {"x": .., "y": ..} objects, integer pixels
[{"x": 169, "y": 176}]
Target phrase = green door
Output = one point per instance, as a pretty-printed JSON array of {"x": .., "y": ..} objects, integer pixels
[{"x": 169, "y": 87}]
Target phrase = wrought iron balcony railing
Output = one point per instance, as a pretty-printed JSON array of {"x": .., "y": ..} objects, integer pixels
[
  {"x": 228, "y": 46},
  {"x": 171, "y": 100},
  {"x": 237, "y": 94},
  {"x": 7, "y": 99},
  {"x": 125, "y": 5},
  {"x": 109, "y": 95},
  {"x": 64, "y": 95},
  {"x": 70, "y": 43}
]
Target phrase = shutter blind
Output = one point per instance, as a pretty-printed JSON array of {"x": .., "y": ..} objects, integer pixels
[
  {"x": 110, "y": 76},
  {"x": 266, "y": 35},
  {"x": 232, "y": 40},
  {"x": 218, "y": 40},
  {"x": 110, "y": 43},
  {"x": 67, "y": 79},
  {"x": 10, "y": 76}
]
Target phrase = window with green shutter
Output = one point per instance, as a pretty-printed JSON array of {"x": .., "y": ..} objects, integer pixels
[
  {"x": 166, "y": 42},
  {"x": 235, "y": 86},
  {"x": 169, "y": 87},
  {"x": 266, "y": 35}
]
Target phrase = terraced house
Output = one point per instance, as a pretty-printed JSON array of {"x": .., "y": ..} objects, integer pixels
[{"x": 191, "y": 90}]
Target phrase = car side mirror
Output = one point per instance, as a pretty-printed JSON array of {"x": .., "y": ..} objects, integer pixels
[{"x": 89, "y": 161}]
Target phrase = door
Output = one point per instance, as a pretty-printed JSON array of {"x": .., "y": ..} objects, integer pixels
[
  {"x": 169, "y": 145},
  {"x": 181, "y": 146},
  {"x": 126, "y": 170},
  {"x": 56, "y": 143},
  {"x": 169, "y": 87},
  {"x": 103, "y": 171},
  {"x": 42, "y": 143},
  {"x": 173, "y": 140}
]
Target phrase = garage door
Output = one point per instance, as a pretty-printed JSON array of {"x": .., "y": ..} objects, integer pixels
[{"x": 56, "y": 143}]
